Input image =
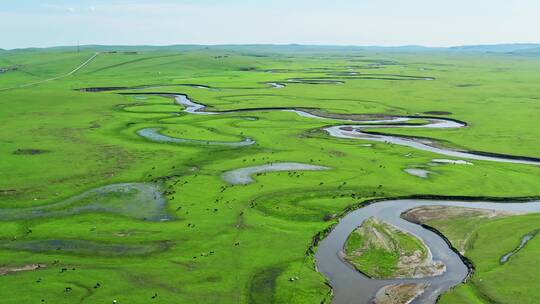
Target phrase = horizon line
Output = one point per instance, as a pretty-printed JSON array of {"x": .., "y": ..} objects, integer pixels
[{"x": 282, "y": 44}]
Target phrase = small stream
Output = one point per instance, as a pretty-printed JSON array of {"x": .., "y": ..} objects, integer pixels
[
  {"x": 243, "y": 176},
  {"x": 357, "y": 132},
  {"x": 153, "y": 134},
  {"x": 524, "y": 240},
  {"x": 276, "y": 85},
  {"x": 390, "y": 122}
]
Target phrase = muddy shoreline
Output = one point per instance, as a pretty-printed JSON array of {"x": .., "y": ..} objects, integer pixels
[{"x": 464, "y": 259}]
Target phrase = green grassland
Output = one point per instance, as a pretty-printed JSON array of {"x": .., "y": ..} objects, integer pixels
[
  {"x": 486, "y": 241},
  {"x": 232, "y": 244}
]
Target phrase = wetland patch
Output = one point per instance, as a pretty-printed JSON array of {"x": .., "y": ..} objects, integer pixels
[
  {"x": 135, "y": 200},
  {"x": 418, "y": 172},
  {"x": 243, "y": 176},
  {"x": 153, "y": 134},
  {"x": 82, "y": 247},
  {"x": 263, "y": 285}
]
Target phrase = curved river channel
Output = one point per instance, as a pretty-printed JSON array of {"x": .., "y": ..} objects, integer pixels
[
  {"x": 351, "y": 131},
  {"x": 349, "y": 285}
]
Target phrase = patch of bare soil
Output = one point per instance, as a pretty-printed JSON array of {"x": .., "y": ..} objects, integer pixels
[
  {"x": 418, "y": 266},
  {"x": 424, "y": 214},
  {"x": 337, "y": 153},
  {"x": 399, "y": 293},
  {"x": 4, "y": 270}
]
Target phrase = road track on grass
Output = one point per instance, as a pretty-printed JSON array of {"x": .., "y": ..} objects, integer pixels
[{"x": 70, "y": 73}]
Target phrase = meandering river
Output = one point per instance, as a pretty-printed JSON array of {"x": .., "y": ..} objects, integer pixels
[
  {"x": 349, "y": 285},
  {"x": 358, "y": 131}
]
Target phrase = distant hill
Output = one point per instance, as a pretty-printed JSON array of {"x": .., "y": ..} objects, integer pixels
[
  {"x": 519, "y": 48},
  {"x": 496, "y": 48},
  {"x": 523, "y": 49},
  {"x": 527, "y": 52},
  {"x": 113, "y": 48}
]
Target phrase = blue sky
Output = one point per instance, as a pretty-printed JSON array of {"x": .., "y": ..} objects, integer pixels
[{"x": 40, "y": 23}]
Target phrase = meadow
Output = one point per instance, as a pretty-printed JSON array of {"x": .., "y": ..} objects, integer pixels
[
  {"x": 495, "y": 280},
  {"x": 212, "y": 241}
]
